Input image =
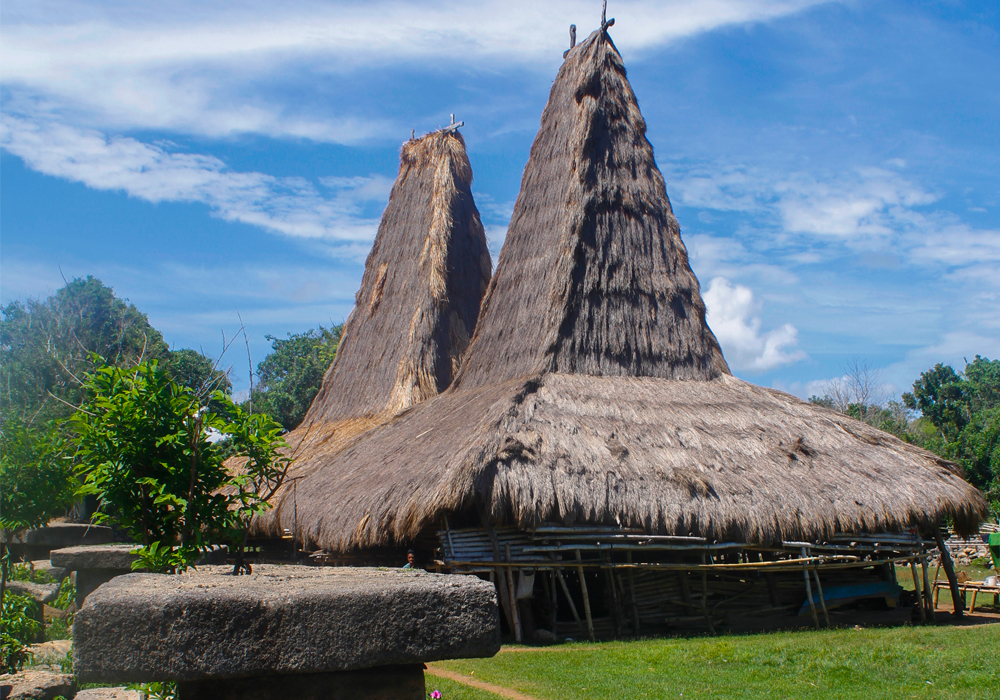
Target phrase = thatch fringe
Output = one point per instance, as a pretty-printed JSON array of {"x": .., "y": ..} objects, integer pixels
[{"x": 593, "y": 392}]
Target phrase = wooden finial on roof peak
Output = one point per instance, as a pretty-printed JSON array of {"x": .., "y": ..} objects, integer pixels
[{"x": 605, "y": 22}]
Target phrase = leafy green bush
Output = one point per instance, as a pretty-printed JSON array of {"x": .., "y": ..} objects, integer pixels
[
  {"x": 155, "y": 458},
  {"x": 19, "y": 629},
  {"x": 26, "y": 572}
]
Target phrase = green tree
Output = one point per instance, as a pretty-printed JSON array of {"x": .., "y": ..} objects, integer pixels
[
  {"x": 291, "y": 376},
  {"x": 961, "y": 419},
  {"x": 46, "y": 345},
  {"x": 36, "y": 483},
  {"x": 155, "y": 458}
]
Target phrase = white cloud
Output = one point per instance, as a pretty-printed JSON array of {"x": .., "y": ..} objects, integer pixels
[
  {"x": 290, "y": 205},
  {"x": 206, "y": 68},
  {"x": 733, "y": 317}
]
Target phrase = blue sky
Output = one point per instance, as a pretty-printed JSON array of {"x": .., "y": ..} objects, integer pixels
[{"x": 835, "y": 166}]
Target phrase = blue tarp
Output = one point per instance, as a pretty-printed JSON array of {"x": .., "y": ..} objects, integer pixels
[{"x": 841, "y": 595}]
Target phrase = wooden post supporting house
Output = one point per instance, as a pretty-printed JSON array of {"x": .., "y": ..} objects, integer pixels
[
  {"x": 635, "y": 603},
  {"x": 809, "y": 593},
  {"x": 949, "y": 570},
  {"x": 569, "y": 599},
  {"x": 916, "y": 587},
  {"x": 586, "y": 597},
  {"x": 928, "y": 604},
  {"x": 822, "y": 600},
  {"x": 514, "y": 612}
]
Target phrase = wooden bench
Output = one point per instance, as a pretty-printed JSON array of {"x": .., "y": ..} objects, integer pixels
[{"x": 975, "y": 586}]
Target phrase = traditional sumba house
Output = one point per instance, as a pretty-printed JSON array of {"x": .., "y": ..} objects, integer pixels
[
  {"x": 414, "y": 314},
  {"x": 594, "y": 455}
]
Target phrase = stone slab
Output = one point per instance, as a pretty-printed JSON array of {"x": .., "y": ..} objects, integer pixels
[
  {"x": 56, "y": 572},
  {"x": 39, "y": 592},
  {"x": 116, "y": 557},
  {"x": 209, "y": 624},
  {"x": 36, "y": 685},
  {"x": 103, "y": 556},
  {"x": 382, "y": 683},
  {"x": 56, "y": 535}
]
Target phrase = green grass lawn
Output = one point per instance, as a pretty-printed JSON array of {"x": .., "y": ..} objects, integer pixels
[{"x": 901, "y": 662}]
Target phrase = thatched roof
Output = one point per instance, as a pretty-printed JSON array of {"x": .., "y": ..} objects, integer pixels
[
  {"x": 594, "y": 392},
  {"x": 417, "y": 306}
]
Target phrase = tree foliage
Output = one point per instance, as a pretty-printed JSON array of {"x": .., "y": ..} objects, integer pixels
[
  {"x": 37, "y": 476},
  {"x": 291, "y": 376},
  {"x": 154, "y": 457},
  {"x": 961, "y": 419},
  {"x": 47, "y": 345}
]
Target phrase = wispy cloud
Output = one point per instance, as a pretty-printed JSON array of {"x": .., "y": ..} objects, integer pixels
[
  {"x": 217, "y": 69},
  {"x": 733, "y": 315},
  {"x": 290, "y": 205}
]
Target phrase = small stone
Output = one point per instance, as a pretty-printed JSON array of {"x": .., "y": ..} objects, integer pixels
[
  {"x": 50, "y": 653},
  {"x": 542, "y": 636},
  {"x": 36, "y": 685}
]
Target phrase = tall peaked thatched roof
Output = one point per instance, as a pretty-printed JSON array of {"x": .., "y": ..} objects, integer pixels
[
  {"x": 593, "y": 277},
  {"x": 419, "y": 298},
  {"x": 416, "y": 308},
  {"x": 594, "y": 392}
]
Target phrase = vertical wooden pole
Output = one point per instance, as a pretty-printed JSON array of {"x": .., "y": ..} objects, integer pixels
[
  {"x": 822, "y": 601},
  {"x": 515, "y": 613},
  {"x": 809, "y": 591},
  {"x": 772, "y": 590},
  {"x": 949, "y": 570},
  {"x": 927, "y": 591},
  {"x": 635, "y": 603},
  {"x": 569, "y": 599},
  {"x": 916, "y": 587},
  {"x": 501, "y": 579},
  {"x": 586, "y": 597},
  {"x": 704, "y": 597}
]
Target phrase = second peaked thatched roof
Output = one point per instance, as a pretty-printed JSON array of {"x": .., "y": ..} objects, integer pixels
[
  {"x": 414, "y": 313},
  {"x": 594, "y": 392}
]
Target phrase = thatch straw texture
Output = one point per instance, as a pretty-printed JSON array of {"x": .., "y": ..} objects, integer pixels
[
  {"x": 419, "y": 298},
  {"x": 416, "y": 309},
  {"x": 722, "y": 459},
  {"x": 593, "y": 276},
  {"x": 594, "y": 392}
]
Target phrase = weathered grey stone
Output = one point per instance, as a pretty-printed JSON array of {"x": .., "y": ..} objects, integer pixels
[
  {"x": 117, "y": 557},
  {"x": 39, "y": 592},
  {"x": 56, "y": 572},
  {"x": 209, "y": 624},
  {"x": 37, "y": 543},
  {"x": 108, "y": 694},
  {"x": 382, "y": 683},
  {"x": 36, "y": 685},
  {"x": 50, "y": 653},
  {"x": 105, "y": 556}
]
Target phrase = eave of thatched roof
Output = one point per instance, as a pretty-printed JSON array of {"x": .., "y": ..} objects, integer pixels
[
  {"x": 415, "y": 311},
  {"x": 723, "y": 459},
  {"x": 594, "y": 392}
]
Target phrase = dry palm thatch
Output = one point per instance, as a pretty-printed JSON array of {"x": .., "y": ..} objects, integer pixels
[
  {"x": 594, "y": 392},
  {"x": 417, "y": 306}
]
